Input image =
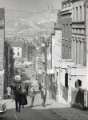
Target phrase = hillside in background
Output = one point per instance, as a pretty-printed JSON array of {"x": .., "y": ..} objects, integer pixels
[
  {"x": 28, "y": 24},
  {"x": 27, "y": 19}
]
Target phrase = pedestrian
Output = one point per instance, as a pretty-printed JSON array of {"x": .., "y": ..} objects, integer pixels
[
  {"x": 27, "y": 88},
  {"x": 8, "y": 91},
  {"x": 34, "y": 90},
  {"x": 43, "y": 94},
  {"x": 17, "y": 97},
  {"x": 23, "y": 96}
]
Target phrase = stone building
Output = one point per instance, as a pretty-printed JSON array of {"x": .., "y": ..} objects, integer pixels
[
  {"x": 2, "y": 38},
  {"x": 54, "y": 47},
  {"x": 72, "y": 20},
  {"x": 65, "y": 19},
  {"x": 8, "y": 66},
  {"x": 64, "y": 57},
  {"x": 78, "y": 32},
  {"x": 79, "y": 41}
]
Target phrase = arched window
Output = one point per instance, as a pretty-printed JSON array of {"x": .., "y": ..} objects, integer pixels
[{"x": 81, "y": 13}]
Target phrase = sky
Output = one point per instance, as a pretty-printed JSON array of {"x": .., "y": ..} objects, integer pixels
[
  {"x": 29, "y": 5},
  {"x": 26, "y": 17}
]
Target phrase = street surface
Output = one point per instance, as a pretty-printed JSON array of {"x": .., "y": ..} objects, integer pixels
[
  {"x": 31, "y": 114},
  {"x": 52, "y": 111},
  {"x": 46, "y": 114}
]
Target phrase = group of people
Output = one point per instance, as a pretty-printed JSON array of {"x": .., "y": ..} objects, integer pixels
[
  {"x": 38, "y": 87},
  {"x": 21, "y": 92}
]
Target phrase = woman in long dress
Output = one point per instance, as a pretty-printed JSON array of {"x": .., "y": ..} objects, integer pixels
[{"x": 23, "y": 96}]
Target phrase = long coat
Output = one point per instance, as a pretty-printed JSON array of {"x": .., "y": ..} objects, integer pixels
[
  {"x": 24, "y": 98},
  {"x": 17, "y": 94}
]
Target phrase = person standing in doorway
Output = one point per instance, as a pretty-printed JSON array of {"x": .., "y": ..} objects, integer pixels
[{"x": 34, "y": 90}]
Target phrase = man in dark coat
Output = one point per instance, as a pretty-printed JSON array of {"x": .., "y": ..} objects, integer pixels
[{"x": 17, "y": 95}]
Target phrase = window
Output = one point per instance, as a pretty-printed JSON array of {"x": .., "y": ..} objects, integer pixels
[
  {"x": 69, "y": 4},
  {"x": 17, "y": 53},
  {"x": 76, "y": 13},
  {"x": 73, "y": 13},
  {"x": 80, "y": 12},
  {"x": 64, "y": 5},
  {"x": 63, "y": 28}
]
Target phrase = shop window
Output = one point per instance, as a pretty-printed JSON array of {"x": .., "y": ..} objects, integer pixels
[{"x": 76, "y": 13}]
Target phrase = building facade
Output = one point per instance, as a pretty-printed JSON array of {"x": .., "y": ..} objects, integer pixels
[
  {"x": 2, "y": 38},
  {"x": 8, "y": 66},
  {"x": 54, "y": 47},
  {"x": 79, "y": 41},
  {"x": 65, "y": 18},
  {"x": 64, "y": 26},
  {"x": 78, "y": 32},
  {"x": 72, "y": 19}
]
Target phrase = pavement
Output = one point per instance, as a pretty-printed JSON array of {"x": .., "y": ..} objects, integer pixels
[{"x": 65, "y": 112}]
